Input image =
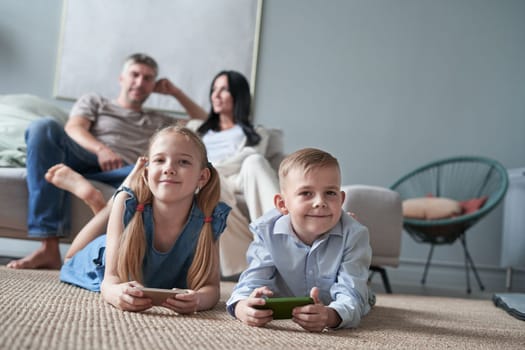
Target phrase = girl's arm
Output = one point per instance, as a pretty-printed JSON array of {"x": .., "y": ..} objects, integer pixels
[{"x": 122, "y": 294}]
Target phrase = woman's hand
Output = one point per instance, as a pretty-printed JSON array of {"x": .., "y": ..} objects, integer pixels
[
  {"x": 316, "y": 317},
  {"x": 245, "y": 311},
  {"x": 126, "y": 296}
]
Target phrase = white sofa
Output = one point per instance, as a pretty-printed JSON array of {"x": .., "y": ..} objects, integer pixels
[
  {"x": 16, "y": 112},
  {"x": 14, "y": 196}
]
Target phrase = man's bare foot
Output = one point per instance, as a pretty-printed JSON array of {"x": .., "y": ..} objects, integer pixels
[
  {"x": 45, "y": 257},
  {"x": 67, "y": 179}
]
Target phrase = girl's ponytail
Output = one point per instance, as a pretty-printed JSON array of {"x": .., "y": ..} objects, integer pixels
[
  {"x": 202, "y": 267},
  {"x": 133, "y": 241}
]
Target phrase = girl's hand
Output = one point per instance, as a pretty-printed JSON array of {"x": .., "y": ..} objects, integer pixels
[
  {"x": 245, "y": 311},
  {"x": 186, "y": 303},
  {"x": 316, "y": 317},
  {"x": 135, "y": 172},
  {"x": 126, "y": 296}
]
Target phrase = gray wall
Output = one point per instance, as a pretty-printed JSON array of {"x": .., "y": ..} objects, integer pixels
[{"x": 385, "y": 85}]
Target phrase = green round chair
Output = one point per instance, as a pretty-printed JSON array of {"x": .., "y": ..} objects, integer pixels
[{"x": 460, "y": 178}]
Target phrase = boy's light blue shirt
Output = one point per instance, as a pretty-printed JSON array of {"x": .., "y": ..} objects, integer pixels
[{"x": 338, "y": 263}]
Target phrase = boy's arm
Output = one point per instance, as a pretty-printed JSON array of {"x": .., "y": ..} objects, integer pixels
[
  {"x": 260, "y": 273},
  {"x": 350, "y": 291}
]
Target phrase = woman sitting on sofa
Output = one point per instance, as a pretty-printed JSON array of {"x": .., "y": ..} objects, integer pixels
[{"x": 235, "y": 148}]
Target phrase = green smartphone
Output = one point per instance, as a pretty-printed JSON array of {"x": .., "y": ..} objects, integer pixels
[{"x": 282, "y": 307}]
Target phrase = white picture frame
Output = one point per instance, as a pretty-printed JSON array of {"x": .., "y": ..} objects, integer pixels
[{"x": 191, "y": 41}]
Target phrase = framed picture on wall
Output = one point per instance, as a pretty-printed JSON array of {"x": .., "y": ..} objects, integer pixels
[{"x": 190, "y": 40}]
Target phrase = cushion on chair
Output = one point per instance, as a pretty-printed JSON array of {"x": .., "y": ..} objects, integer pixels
[
  {"x": 431, "y": 208},
  {"x": 471, "y": 205}
]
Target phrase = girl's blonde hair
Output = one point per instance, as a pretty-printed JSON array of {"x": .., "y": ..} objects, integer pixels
[{"x": 133, "y": 241}]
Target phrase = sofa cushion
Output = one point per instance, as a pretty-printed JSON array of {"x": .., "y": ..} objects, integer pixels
[
  {"x": 16, "y": 112},
  {"x": 34, "y": 105}
]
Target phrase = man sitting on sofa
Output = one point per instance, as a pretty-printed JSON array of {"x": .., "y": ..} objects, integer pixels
[{"x": 99, "y": 140}]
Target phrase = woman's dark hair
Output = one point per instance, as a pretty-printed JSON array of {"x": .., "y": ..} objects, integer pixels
[{"x": 240, "y": 91}]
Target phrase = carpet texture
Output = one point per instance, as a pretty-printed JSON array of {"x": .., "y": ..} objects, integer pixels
[{"x": 39, "y": 312}]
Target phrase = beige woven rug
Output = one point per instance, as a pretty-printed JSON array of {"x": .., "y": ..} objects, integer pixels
[{"x": 39, "y": 312}]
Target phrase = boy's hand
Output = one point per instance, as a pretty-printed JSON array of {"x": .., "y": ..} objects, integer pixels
[
  {"x": 315, "y": 317},
  {"x": 245, "y": 311}
]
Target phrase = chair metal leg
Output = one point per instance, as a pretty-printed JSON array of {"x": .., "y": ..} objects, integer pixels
[
  {"x": 471, "y": 263},
  {"x": 467, "y": 271},
  {"x": 424, "y": 279},
  {"x": 384, "y": 277}
]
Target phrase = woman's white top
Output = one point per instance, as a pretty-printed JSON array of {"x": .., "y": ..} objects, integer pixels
[
  {"x": 223, "y": 144},
  {"x": 231, "y": 165}
]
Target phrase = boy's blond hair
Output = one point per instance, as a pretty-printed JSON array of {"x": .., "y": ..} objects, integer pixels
[{"x": 306, "y": 159}]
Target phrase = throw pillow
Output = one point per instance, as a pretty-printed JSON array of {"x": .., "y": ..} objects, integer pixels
[
  {"x": 431, "y": 208},
  {"x": 471, "y": 205}
]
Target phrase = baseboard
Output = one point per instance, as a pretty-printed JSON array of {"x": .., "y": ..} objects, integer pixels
[
  {"x": 13, "y": 247},
  {"x": 407, "y": 274},
  {"x": 453, "y": 276}
]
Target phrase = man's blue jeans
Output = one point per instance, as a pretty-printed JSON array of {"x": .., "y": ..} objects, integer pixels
[{"x": 49, "y": 208}]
